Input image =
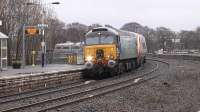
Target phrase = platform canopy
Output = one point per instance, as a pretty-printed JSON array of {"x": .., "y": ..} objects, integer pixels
[{"x": 2, "y": 36}]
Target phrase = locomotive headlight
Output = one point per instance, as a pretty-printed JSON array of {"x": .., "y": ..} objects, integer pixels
[
  {"x": 111, "y": 57},
  {"x": 89, "y": 58}
]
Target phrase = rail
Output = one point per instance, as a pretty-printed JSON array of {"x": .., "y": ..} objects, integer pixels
[{"x": 89, "y": 93}]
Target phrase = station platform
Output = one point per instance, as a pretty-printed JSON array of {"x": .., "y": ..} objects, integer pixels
[{"x": 37, "y": 70}]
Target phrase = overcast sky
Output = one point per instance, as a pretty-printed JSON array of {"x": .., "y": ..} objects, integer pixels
[{"x": 174, "y": 14}]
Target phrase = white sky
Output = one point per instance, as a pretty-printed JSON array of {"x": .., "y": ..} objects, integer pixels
[{"x": 174, "y": 14}]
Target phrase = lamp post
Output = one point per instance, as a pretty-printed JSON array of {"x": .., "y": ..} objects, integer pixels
[{"x": 43, "y": 43}]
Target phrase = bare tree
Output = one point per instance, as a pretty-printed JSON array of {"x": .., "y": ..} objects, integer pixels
[{"x": 15, "y": 14}]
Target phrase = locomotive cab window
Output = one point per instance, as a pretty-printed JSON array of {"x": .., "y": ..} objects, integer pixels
[
  {"x": 58, "y": 47},
  {"x": 92, "y": 40},
  {"x": 65, "y": 47},
  {"x": 76, "y": 47},
  {"x": 108, "y": 40},
  {"x": 100, "y": 40}
]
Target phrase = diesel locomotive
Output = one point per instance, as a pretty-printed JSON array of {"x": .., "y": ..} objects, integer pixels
[{"x": 109, "y": 51}]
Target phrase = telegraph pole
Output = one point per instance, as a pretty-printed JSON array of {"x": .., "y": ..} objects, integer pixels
[
  {"x": 23, "y": 47},
  {"x": 43, "y": 44}
]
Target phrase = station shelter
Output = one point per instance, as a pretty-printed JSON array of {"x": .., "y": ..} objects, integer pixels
[{"x": 3, "y": 51}]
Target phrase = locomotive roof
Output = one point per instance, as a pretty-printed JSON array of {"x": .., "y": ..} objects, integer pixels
[
  {"x": 110, "y": 31},
  {"x": 105, "y": 30},
  {"x": 128, "y": 33}
]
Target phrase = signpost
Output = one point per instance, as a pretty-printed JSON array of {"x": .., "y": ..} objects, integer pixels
[
  {"x": 23, "y": 47},
  {"x": 42, "y": 26}
]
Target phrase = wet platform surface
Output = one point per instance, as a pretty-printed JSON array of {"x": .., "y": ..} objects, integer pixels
[{"x": 37, "y": 70}]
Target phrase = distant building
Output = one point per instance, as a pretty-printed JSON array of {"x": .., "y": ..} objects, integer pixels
[{"x": 177, "y": 45}]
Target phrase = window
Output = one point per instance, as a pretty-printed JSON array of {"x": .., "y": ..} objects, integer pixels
[
  {"x": 92, "y": 40},
  {"x": 76, "y": 47},
  {"x": 58, "y": 47},
  {"x": 65, "y": 47},
  {"x": 100, "y": 40},
  {"x": 107, "y": 40}
]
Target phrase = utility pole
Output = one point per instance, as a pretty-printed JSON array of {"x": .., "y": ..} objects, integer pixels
[
  {"x": 23, "y": 47},
  {"x": 43, "y": 44}
]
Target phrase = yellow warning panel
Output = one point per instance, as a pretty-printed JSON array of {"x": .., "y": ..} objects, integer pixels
[{"x": 31, "y": 31}]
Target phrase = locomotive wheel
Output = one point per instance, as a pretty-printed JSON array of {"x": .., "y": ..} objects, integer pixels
[
  {"x": 100, "y": 73},
  {"x": 119, "y": 69},
  {"x": 128, "y": 67},
  {"x": 133, "y": 65},
  {"x": 122, "y": 68},
  {"x": 138, "y": 64},
  {"x": 144, "y": 60},
  {"x": 86, "y": 74},
  {"x": 107, "y": 73},
  {"x": 89, "y": 74},
  {"x": 115, "y": 70}
]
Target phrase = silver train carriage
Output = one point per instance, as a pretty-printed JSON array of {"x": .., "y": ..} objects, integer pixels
[{"x": 63, "y": 51}]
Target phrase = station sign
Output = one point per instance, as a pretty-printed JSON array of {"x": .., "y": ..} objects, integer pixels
[
  {"x": 42, "y": 26},
  {"x": 31, "y": 31}
]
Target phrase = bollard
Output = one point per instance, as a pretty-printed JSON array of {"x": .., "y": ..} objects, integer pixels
[{"x": 33, "y": 58}]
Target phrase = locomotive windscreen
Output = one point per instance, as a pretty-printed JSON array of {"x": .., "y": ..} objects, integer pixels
[
  {"x": 100, "y": 40},
  {"x": 101, "y": 36}
]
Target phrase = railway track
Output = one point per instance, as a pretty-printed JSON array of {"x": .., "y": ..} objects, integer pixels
[
  {"x": 75, "y": 93},
  {"x": 29, "y": 94}
]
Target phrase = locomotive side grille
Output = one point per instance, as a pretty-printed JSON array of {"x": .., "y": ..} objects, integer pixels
[{"x": 99, "y": 54}]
